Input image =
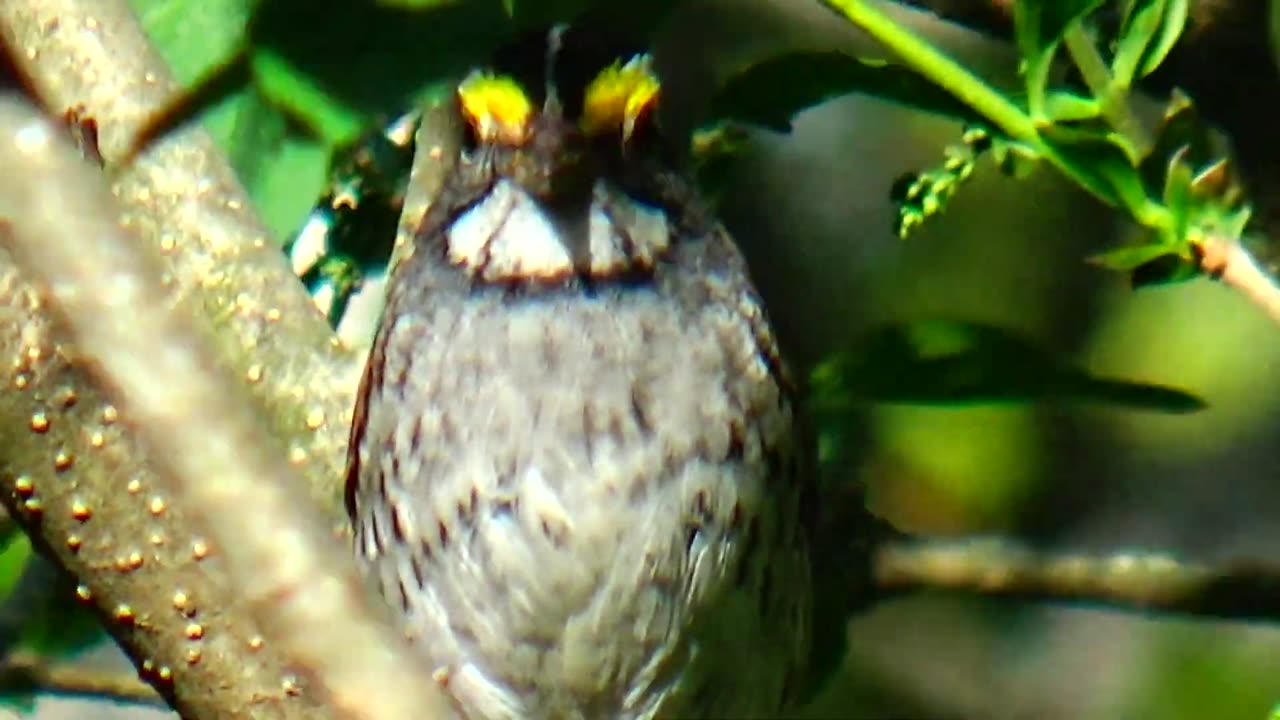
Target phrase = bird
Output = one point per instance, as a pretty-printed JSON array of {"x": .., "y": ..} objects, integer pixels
[{"x": 578, "y": 473}]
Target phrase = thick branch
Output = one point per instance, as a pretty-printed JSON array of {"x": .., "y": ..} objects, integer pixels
[
  {"x": 1133, "y": 580},
  {"x": 84, "y": 490},
  {"x": 182, "y": 199},
  {"x": 291, "y": 572},
  {"x": 72, "y": 474}
]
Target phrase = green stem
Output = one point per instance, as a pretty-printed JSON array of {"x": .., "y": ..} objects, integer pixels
[
  {"x": 970, "y": 89},
  {"x": 1097, "y": 76},
  {"x": 941, "y": 70}
]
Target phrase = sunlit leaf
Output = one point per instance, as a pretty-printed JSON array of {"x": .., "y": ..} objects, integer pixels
[
  {"x": 1149, "y": 32},
  {"x": 1070, "y": 107},
  {"x": 1132, "y": 257},
  {"x": 1038, "y": 29},
  {"x": 1177, "y": 192}
]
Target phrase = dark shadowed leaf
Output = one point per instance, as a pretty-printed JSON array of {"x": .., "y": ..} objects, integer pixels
[
  {"x": 38, "y": 608},
  {"x": 1106, "y": 161},
  {"x": 770, "y": 93},
  {"x": 944, "y": 362},
  {"x": 1167, "y": 269}
]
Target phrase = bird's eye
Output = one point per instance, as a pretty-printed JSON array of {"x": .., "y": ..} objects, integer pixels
[
  {"x": 496, "y": 107},
  {"x": 621, "y": 96}
]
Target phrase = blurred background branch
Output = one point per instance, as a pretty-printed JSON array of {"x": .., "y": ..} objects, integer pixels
[
  {"x": 1138, "y": 580},
  {"x": 26, "y": 672}
]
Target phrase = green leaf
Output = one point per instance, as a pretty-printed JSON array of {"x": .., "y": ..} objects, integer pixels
[
  {"x": 1274, "y": 23},
  {"x": 282, "y": 82},
  {"x": 14, "y": 556},
  {"x": 1132, "y": 257},
  {"x": 1174, "y": 22},
  {"x": 366, "y": 60},
  {"x": 1105, "y": 161},
  {"x": 1149, "y": 32},
  {"x": 1168, "y": 269},
  {"x": 299, "y": 94},
  {"x": 286, "y": 188},
  {"x": 196, "y": 38},
  {"x": 416, "y": 4},
  {"x": 1061, "y": 106},
  {"x": 38, "y": 607},
  {"x": 945, "y": 362},
  {"x": 1177, "y": 192},
  {"x": 770, "y": 93},
  {"x": 639, "y": 18},
  {"x": 1038, "y": 29}
]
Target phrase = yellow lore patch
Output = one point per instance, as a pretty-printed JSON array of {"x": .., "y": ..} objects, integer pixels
[
  {"x": 497, "y": 108},
  {"x": 619, "y": 96}
]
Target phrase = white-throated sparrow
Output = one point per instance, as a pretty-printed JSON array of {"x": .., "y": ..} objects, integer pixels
[{"x": 576, "y": 470}]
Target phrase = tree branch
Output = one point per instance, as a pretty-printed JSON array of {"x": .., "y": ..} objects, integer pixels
[
  {"x": 1127, "y": 580},
  {"x": 72, "y": 474},
  {"x": 1230, "y": 262},
  {"x": 83, "y": 489},
  {"x": 183, "y": 200},
  {"x": 202, "y": 432},
  {"x": 26, "y": 672}
]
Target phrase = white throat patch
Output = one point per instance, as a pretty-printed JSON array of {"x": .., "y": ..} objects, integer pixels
[{"x": 510, "y": 236}]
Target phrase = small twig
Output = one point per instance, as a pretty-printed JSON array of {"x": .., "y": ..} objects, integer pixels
[
  {"x": 437, "y": 140},
  {"x": 1229, "y": 261},
  {"x": 1127, "y": 580},
  {"x": 26, "y": 672},
  {"x": 290, "y": 570}
]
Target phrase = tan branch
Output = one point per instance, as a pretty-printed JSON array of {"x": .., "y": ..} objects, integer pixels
[
  {"x": 182, "y": 199},
  {"x": 75, "y": 477},
  {"x": 72, "y": 474},
  {"x": 25, "y": 672},
  {"x": 439, "y": 135},
  {"x": 1127, "y": 580},
  {"x": 1230, "y": 262},
  {"x": 300, "y": 584}
]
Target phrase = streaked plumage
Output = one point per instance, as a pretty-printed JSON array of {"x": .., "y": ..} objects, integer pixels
[{"x": 575, "y": 469}]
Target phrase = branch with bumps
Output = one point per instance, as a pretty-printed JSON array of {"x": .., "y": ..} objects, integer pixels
[{"x": 204, "y": 583}]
